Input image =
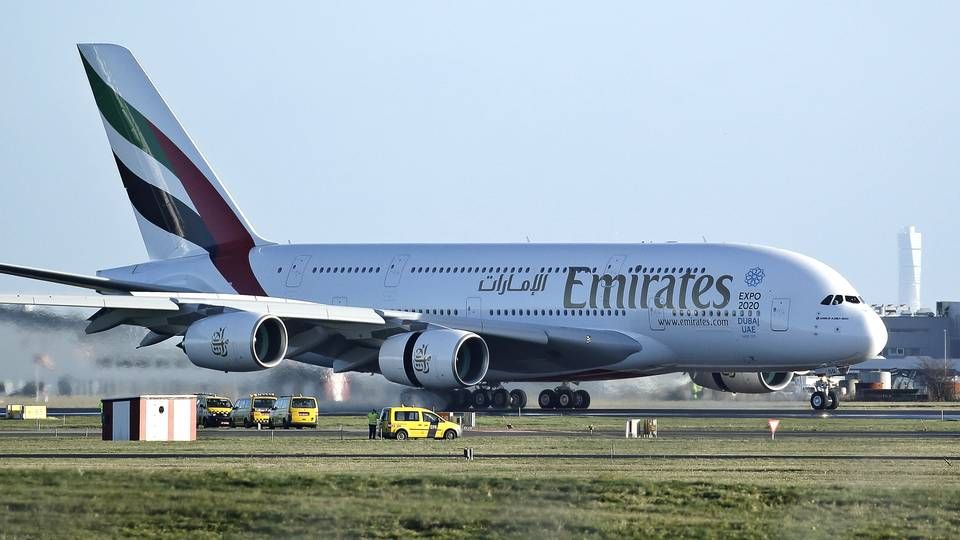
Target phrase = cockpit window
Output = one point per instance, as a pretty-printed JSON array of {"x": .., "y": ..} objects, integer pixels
[
  {"x": 852, "y": 299},
  {"x": 837, "y": 300},
  {"x": 826, "y": 301}
]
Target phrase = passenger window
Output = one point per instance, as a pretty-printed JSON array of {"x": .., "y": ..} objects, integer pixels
[{"x": 826, "y": 301}]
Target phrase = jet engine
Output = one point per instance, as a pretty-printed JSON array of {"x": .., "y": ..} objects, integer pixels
[
  {"x": 744, "y": 382},
  {"x": 237, "y": 341},
  {"x": 435, "y": 359}
]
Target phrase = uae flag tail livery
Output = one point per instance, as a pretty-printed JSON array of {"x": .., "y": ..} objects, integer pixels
[{"x": 181, "y": 207}]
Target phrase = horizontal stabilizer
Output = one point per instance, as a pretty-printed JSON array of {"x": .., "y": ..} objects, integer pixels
[{"x": 87, "y": 282}]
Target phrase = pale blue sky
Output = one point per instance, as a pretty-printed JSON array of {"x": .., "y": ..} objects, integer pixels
[{"x": 817, "y": 127}]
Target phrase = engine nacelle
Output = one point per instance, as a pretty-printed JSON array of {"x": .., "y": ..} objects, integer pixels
[
  {"x": 435, "y": 359},
  {"x": 238, "y": 341},
  {"x": 744, "y": 382}
]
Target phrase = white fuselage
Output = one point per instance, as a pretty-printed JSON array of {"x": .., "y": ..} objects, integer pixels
[{"x": 720, "y": 307}]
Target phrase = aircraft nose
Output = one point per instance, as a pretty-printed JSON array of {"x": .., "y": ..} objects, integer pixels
[{"x": 873, "y": 335}]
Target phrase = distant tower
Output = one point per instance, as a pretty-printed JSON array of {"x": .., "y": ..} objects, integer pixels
[{"x": 909, "y": 240}]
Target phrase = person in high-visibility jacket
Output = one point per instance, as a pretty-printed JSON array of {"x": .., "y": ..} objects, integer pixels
[{"x": 372, "y": 419}]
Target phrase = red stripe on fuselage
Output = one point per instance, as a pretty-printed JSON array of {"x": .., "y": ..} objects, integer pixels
[{"x": 231, "y": 255}]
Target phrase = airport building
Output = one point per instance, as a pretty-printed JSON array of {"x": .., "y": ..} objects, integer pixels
[{"x": 914, "y": 336}]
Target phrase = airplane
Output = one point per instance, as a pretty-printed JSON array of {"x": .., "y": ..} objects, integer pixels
[{"x": 461, "y": 320}]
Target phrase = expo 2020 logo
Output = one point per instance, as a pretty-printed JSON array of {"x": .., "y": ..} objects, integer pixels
[{"x": 754, "y": 276}]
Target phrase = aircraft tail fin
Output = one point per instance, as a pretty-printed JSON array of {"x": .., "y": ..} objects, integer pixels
[{"x": 181, "y": 206}]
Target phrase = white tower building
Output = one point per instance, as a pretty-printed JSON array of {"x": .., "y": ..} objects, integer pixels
[{"x": 909, "y": 242}]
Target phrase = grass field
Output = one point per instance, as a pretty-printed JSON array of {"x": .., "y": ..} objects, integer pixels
[
  {"x": 816, "y": 423},
  {"x": 658, "y": 497}
]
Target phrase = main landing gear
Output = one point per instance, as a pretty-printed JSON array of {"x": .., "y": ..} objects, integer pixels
[
  {"x": 825, "y": 397},
  {"x": 564, "y": 397},
  {"x": 488, "y": 397}
]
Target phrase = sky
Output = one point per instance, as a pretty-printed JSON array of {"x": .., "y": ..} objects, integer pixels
[{"x": 820, "y": 127}]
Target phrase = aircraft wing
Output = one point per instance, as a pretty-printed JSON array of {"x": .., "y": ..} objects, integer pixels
[
  {"x": 177, "y": 302},
  {"x": 345, "y": 338}
]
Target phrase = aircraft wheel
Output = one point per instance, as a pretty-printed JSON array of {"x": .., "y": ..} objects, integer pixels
[
  {"x": 480, "y": 398},
  {"x": 501, "y": 398},
  {"x": 581, "y": 399},
  {"x": 564, "y": 398},
  {"x": 547, "y": 399},
  {"x": 818, "y": 401},
  {"x": 518, "y": 399},
  {"x": 833, "y": 400}
]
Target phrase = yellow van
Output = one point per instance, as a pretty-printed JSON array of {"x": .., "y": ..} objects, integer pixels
[
  {"x": 296, "y": 411},
  {"x": 213, "y": 410},
  {"x": 249, "y": 411},
  {"x": 403, "y": 423}
]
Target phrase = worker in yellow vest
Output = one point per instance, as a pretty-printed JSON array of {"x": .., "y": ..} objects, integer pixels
[{"x": 372, "y": 419}]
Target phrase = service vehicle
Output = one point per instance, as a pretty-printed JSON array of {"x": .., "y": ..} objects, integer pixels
[
  {"x": 213, "y": 410},
  {"x": 403, "y": 423},
  {"x": 253, "y": 410},
  {"x": 294, "y": 411}
]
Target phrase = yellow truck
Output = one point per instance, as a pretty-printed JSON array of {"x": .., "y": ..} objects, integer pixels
[
  {"x": 403, "y": 423},
  {"x": 253, "y": 410},
  {"x": 294, "y": 411},
  {"x": 213, "y": 410}
]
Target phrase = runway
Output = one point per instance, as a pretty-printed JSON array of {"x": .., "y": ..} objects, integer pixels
[
  {"x": 459, "y": 456},
  {"x": 844, "y": 412},
  {"x": 361, "y": 434},
  {"x": 850, "y": 412}
]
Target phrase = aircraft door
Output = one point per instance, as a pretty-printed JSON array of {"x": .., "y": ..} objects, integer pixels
[
  {"x": 780, "y": 315},
  {"x": 395, "y": 271},
  {"x": 656, "y": 318},
  {"x": 614, "y": 265},
  {"x": 473, "y": 307},
  {"x": 295, "y": 275},
  {"x": 419, "y": 426}
]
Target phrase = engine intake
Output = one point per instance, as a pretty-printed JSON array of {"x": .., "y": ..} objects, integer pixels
[
  {"x": 435, "y": 359},
  {"x": 238, "y": 341},
  {"x": 762, "y": 382}
]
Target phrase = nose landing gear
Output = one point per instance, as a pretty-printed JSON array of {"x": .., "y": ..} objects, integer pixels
[{"x": 825, "y": 396}]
